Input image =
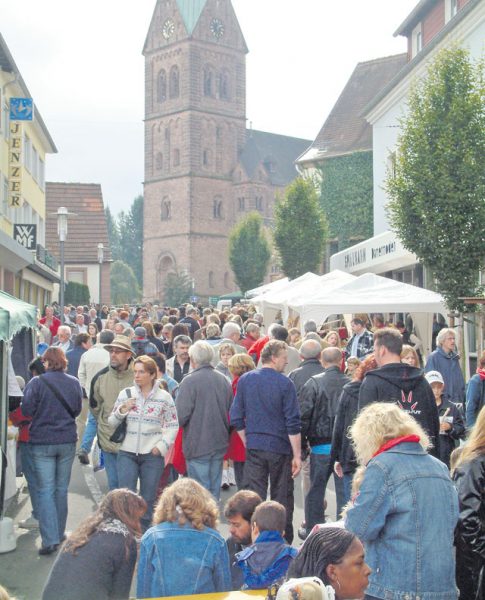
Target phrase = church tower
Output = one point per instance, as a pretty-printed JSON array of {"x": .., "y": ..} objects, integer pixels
[{"x": 195, "y": 129}]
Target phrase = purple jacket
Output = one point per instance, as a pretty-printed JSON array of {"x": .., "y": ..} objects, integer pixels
[{"x": 51, "y": 422}]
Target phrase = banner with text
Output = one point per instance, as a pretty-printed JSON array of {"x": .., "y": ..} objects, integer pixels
[{"x": 15, "y": 199}]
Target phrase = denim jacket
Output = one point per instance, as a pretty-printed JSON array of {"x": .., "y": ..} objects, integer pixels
[
  {"x": 177, "y": 560},
  {"x": 405, "y": 515}
]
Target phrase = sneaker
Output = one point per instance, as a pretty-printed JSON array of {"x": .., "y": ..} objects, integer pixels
[
  {"x": 302, "y": 533},
  {"x": 30, "y": 523},
  {"x": 230, "y": 476},
  {"x": 225, "y": 480},
  {"x": 83, "y": 457}
]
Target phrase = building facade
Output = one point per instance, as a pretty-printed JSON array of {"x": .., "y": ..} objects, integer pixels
[
  {"x": 27, "y": 270},
  {"x": 203, "y": 168}
]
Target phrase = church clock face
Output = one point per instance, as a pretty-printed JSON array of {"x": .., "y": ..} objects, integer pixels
[
  {"x": 168, "y": 29},
  {"x": 217, "y": 28}
]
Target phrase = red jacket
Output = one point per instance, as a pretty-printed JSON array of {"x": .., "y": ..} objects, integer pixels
[
  {"x": 257, "y": 348},
  {"x": 236, "y": 450},
  {"x": 22, "y": 422},
  {"x": 54, "y": 325}
]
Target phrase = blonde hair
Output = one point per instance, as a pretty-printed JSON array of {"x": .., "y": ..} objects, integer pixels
[
  {"x": 475, "y": 445},
  {"x": 332, "y": 332},
  {"x": 4, "y": 595},
  {"x": 240, "y": 364},
  {"x": 379, "y": 423},
  {"x": 226, "y": 347},
  {"x": 186, "y": 501},
  {"x": 406, "y": 350}
]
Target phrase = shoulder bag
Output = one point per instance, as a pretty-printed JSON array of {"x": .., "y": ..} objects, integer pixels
[
  {"x": 119, "y": 433},
  {"x": 58, "y": 396}
]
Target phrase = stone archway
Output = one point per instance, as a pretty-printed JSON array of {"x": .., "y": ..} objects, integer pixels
[{"x": 166, "y": 265}]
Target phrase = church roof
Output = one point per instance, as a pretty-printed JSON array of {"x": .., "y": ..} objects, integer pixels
[
  {"x": 86, "y": 229},
  {"x": 277, "y": 154},
  {"x": 190, "y": 11},
  {"x": 346, "y": 130}
]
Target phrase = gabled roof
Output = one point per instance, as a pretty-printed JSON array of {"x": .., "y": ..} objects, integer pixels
[
  {"x": 276, "y": 153},
  {"x": 414, "y": 17},
  {"x": 346, "y": 130},
  {"x": 86, "y": 229},
  {"x": 8, "y": 65},
  {"x": 190, "y": 10}
]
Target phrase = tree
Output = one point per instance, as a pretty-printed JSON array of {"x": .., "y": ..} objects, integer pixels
[
  {"x": 177, "y": 289},
  {"x": 113, "y": 235},
  {"x": 249, "y": 252},
  {"x": 124, "y": 285},
  {"x": 76, "y": 293},
  {"x": 300, "y": 229},
  {"x": 437, "y": 189},
  {"x": 130, "y": 226}
]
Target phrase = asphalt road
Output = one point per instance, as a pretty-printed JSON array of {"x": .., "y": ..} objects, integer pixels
[{"x": 23, "y": 572}]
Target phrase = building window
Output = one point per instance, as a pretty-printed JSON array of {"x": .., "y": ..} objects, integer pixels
[
  {"x": 417, "y": 40},
  {"x": 242, "y": 204},
  {"x": 206, "y": 158},
  {"x": 217, "y": 209},
  {"x": 159, "y": 161},
  {"x": 258, "y": 203},
  {"x": 174, "y": 82},
  {"x": 224, "y": 86},
  {"x": 162, "y": 86},
  {"x": 176, "y": 157},
  {"x": 451, "y": 8},
  {"x": 166, "y": 210},
  {"x": 208, "y": 82},
  {"x": 211, "y": 279}
]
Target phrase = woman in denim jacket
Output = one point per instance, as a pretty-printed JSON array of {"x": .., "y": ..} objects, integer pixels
[
  {"x": 183, "y": 553},
  {"x": 406, "y": 509}
]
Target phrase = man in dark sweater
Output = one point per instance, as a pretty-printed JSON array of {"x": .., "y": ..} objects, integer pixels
[
  {"x": 319, "y": 402},
  {"x": 266, "y": 414},
  {"x": 400, "y": 383}
]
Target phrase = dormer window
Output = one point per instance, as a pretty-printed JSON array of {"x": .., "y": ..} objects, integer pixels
[
  {"x": 451, "y": 8},
  {"x": 417, "y": 40}
]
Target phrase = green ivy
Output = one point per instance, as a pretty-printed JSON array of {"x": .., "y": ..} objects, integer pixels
[
  {"x": 76, "y": 293},
  {"x": 346, "y": 197}
]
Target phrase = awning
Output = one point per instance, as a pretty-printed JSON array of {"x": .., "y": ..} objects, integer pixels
[
  {"x": 14, "y": 256},
  {"x": 14, "y": 316}
]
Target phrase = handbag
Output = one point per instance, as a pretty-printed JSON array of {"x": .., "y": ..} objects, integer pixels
[{"x": 119, "y": 433}]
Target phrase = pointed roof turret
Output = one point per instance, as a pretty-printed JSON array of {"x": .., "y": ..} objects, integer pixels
[{"x": 190, "y": 11}]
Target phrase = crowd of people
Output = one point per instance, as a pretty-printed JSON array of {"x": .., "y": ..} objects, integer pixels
[{"x": 179, "y": 403}]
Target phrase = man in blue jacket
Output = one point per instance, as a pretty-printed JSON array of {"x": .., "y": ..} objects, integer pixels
[
  {"x": 445, "y": 360},
  {"x": 266, "y": 414}
]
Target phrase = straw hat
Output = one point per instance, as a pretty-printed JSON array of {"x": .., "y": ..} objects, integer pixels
[{"x": 122, "y": 342}]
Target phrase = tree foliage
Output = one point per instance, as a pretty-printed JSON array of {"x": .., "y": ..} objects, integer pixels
[
  {"x": 300, "y": 229},
  {"x": 124, "y": 284},
  {"x": 76, "y": 293},
  {"x": 113, "y": 235},
  {"x": 437, "y": 190},
  {"x": 178, "y": 289},
  {"x": 346, "y": 197},
  {"x": 249, "y": 252}
]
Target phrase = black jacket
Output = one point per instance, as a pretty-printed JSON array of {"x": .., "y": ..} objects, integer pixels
[
  {"x": 237, "y": 575},
  {"x": 307, "y": 369},
  {"x": 319, "y": 400},
  {"x": 407, "y": 387},
  {"x": 342, "y": 449},
  {"x": 470, "y": 530},
  {"x": 449, "y": 438}
]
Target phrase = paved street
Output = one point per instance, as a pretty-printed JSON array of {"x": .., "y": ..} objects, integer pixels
[{"x": 23, "y": 572}]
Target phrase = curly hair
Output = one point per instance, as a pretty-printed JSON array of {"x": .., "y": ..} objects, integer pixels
[
  {"x": 379, "y": 423},
  {"x": 121, "y": 504},
  {"x": 186, "y": 501},
  {"x": 240, "y": 364},
  {"x": 367, "y": 364}
]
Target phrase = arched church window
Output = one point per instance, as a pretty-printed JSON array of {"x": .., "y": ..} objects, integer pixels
[
  {"x": 224, "y": 86},
  {"x": 162, "y": 86},
  {"x": 176, "y": 157},
  {"x": 166, "y": 210},
  {"x": 174, "y": 82},
  {"x": 159, "y": 161},
  {"x": 208, "y": 82},
  {"x": 206, "y": 158},
  {"x": 218, "y": 209}
]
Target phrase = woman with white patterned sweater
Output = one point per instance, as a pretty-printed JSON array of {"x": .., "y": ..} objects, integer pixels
[{"x": 151, "y": 428}]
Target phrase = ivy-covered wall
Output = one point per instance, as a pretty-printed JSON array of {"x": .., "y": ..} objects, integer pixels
[{"x": 346, "y": 197}]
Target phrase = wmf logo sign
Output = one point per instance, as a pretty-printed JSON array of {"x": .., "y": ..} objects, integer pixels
[{"x": 26, "y": 235}]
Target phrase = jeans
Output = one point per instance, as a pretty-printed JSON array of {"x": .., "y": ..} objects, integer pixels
[
  {"x": 28, "y": 469},
  {"x": 348, "y": 477},
  {"x": 148, "y": 468},
  {"x": 89, "y": 434},
  {"x": 207, "y": 470},
  {"x": 239, "y": 474},
  {"x": 111, "y": 468},
  {"x": 53, "y": 463},
  {"x": 319, "y": 474},
  {"x": 262, "y": 466},
  {"x": 339, "y": 493}
]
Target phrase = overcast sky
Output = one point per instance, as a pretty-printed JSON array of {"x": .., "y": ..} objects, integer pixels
[{"x": 82, "y": 63}]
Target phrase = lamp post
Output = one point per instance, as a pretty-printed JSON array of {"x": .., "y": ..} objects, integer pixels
[
  {"x": 100, "y": 261},
  {"x": 62, "y": 214}
]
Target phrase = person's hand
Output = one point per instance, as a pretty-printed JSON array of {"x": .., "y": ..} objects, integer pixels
[
  {"x": 295, "y": 466},
  {"x": 337, "y": 467},
  {"x": 127, "y": 406},
  {"x": 445, "y": 426},
  {"x": 156, "y": 452}
]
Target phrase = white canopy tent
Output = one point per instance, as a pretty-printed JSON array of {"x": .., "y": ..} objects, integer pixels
[
  {"x": 372, "y": 293},
  {"x": 267, "y": 287}
]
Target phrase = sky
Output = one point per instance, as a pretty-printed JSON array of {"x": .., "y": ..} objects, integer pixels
[{"x": 83, "y": 65}]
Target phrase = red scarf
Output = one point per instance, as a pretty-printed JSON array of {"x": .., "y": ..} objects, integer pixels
[
  {"x": 481, "y": 373},
  {"x": 400, "y": 440}
]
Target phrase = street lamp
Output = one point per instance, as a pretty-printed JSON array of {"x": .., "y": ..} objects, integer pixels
[
  {"x": 100, "y": 261},
  {"x": 62, "y": 214}
]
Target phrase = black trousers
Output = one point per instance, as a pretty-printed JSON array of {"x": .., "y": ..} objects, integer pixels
[{"x": 262, "y": 467}]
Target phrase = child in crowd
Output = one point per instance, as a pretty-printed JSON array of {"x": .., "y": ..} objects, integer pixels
[{"x": 266, "y": 561}]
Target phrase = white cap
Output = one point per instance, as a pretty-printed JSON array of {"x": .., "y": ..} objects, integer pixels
[{"x": 434, "y": 377}]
